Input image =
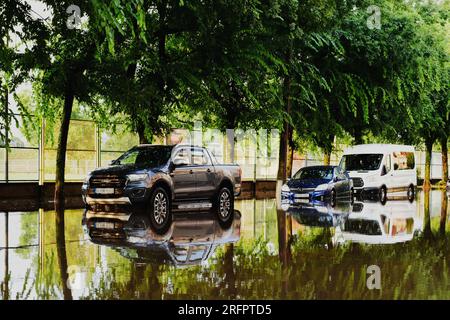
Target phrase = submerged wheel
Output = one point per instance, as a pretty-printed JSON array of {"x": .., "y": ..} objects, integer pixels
[
  {"x": 383, "y": 195},
  {"x": 225, "y": 205},
  {"x": 159, "y": 210},
  {"x": 411, "y": 193}
]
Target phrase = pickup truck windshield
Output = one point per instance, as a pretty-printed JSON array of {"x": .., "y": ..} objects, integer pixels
[
  {"x": 145, "y": 156},
  {"x": 361, "y": 162}
]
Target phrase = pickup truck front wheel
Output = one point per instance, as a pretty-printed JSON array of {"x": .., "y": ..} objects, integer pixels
[
  {"x": 225, "y": 205},
  {"x": 159, "y": 210}
]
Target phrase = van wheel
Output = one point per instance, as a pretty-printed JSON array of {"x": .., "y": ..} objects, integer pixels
[
  {"x": 159, "y": 210},
  {"x": 383, "y": 195},
  {"x": 411, "y": 193},
  {"x": 225, "y": 205}
]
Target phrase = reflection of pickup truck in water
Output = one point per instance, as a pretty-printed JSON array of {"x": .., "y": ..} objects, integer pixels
[
  {"x": 188, "y": 241},
  {"x": 165, "y": 178}
]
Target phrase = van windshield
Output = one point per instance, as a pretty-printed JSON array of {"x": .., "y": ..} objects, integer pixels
[{"x": 361, "y": 162}]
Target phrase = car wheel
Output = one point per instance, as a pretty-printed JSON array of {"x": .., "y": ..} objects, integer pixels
[
  {"x": 411, "y": 193},
  {"x": 333, "y": 198},
  {"x": 225, "y": 205},
  {"x": 160, "y": 210},
  {"x": 383, "y": 195}
]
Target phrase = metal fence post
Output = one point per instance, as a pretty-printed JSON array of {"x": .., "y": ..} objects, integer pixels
[
  {"x": 98, "y": 151},
  {"x": 41, "y": 154}
]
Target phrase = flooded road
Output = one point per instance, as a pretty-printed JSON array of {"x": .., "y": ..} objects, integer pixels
[{"x": 310, "y": 251}]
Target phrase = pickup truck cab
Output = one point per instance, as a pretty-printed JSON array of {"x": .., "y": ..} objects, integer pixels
[{"x": 165, "y": 179}]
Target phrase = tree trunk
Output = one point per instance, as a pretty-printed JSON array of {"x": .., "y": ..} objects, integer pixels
[
  {"x": 444, "y": 147},
  {"x": 141, "y": 133},
  {"x": 327, "y": 150},
  {"x": 358, "y": 135},
  {"x": 427, "y": 178},
  {"x": 444, "y": 208},
  {"x": 62, "y": 147},
  {"x": 326, "y": 158},
  {"x": 230, "y": 145},
  {"x": 286, "y": 152}
]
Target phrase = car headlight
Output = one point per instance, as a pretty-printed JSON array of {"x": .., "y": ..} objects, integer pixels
[
  {"x": 136, "y": 177},
  {"x": 285, "y": 188},
  {"x": 321, "y": 187}
]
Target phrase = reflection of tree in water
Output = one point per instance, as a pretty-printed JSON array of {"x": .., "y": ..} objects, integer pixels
[
  {"x": 61, "y": 250},
  {"x": 444, "y": 209},
  {"x": 427, "y": 233},
  {"x": 28, "y": 233}
]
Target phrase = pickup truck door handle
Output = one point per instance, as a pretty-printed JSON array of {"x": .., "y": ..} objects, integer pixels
[{"x": 191, "y": 171}]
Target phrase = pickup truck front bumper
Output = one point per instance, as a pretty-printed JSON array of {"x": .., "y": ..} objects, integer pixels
[
  {"x": 121, "y": 200},
  {"x": 131, "y": 194}
]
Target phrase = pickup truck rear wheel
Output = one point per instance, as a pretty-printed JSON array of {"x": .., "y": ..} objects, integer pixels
[
  {"x": 159, "y": 210},
  {"x": 225, "y": 205}
]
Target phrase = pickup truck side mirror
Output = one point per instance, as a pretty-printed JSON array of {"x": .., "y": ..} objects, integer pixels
[{"x": 180, "y": 161}]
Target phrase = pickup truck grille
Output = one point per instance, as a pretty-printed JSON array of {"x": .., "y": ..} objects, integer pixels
[
  {"x": 107, "y": 181},
  {"x": 358, "y": 182}
]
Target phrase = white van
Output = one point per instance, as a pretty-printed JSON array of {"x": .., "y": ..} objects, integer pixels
[{"x": 381, "y": 169}]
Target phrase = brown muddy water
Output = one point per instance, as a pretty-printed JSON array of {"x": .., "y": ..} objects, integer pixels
[{"x": 307, "y": 252}]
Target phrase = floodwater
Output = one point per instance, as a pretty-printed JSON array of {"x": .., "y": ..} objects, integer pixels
[{"x": 364, "y": 250}]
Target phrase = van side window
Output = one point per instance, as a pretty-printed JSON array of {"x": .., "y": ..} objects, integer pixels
[
  {"x": 403, "y": 160},
  {"x": 387, "y": 163}
]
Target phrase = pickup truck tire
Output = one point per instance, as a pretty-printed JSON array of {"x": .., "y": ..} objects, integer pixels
[
  {"x": 159, "y": 209},
  {"x": 224, "y": 205}
]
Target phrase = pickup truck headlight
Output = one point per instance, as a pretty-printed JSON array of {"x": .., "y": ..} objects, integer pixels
[
  {"x": 285, "y": 188},
  {"x": 136, "y": 177},
  {"x": 321, "y": 187}
]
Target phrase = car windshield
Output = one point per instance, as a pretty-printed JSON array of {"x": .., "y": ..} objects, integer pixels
[
  {"x": 314, "y": 173},
  {"x": 361, "y": 162},
  {"x": 145, "y": 156}
]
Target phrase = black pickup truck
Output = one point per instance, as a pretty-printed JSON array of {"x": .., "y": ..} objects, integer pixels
[{"x": 164, "y": 179}]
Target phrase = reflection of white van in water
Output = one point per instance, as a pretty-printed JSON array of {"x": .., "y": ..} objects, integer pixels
[
  {"x": 381, "y": 168},
  {"x": 374, "y": 223}
]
